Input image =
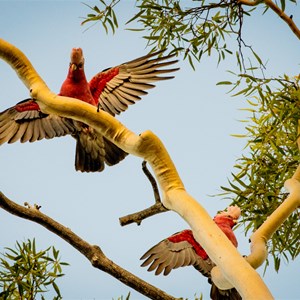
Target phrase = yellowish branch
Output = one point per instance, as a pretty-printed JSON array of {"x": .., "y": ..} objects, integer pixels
[
  {"x": 287, "y": 19},
  {"x": 274, "y": 221},
  {"x": 147, "y": 145},
  {"x": 250, "y": 2}
]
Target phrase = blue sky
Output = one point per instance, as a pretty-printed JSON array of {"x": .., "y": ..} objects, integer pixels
[{"x": 192, "y": 116}]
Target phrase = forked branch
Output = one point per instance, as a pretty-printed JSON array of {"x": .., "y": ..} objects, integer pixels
[{"x": 154, "y": 209}]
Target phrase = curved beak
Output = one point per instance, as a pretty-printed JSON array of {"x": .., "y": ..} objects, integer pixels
[{"x": 73, "y": 66}]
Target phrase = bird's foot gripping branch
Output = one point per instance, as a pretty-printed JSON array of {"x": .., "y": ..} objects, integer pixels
[{"x": 234, "y": 270}]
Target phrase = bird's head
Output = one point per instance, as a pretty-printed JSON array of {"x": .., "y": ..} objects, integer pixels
[
  {"x": 231, "y": 214},
  {"x": 77, "y": 59}
]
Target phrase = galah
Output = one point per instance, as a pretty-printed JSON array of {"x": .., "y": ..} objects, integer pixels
[
  {"x": 111, "y": 90},
  {"x": 181, "y": 249}
]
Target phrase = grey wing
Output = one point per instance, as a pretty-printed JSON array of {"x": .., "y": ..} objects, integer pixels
[
  {"x": 130, "y": 81},
  {"x": 31, "y": 125},
  {"x": 166, "y": 256}
]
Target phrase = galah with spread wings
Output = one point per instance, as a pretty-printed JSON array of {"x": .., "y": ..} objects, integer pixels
[
  {"x": 111, "y": 90},
  {"x": 181, "y": 249}
]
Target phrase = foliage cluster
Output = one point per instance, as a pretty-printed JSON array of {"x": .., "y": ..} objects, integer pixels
[
  {"x": 272, "y": 158},
  {"x": 26, "y": 272},
  {"x": 272, "y": 154},
  {"x": 197, "y": 30}
]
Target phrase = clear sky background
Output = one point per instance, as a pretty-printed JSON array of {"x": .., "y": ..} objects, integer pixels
[{"x": 193, "y": 117}]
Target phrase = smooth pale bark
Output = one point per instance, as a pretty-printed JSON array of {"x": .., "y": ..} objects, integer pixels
[{"x": 234, "y": 270}]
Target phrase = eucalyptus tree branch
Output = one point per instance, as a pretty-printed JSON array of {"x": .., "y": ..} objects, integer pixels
[
  {"x": 156, "y": 208},
  {"x": 148, "y": 146},
  {"x": 250, "y": 2},
  {"x": 92, "y": 252},
  {"x": 287, "y": 19}
]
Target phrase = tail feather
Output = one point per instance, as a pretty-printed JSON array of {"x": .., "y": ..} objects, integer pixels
[
  {"x": 113, "y": 154},
  {"x": 94, "y": 150},
  {"x": 87, "y": 161},
  {"x": 217, "y": 294}
]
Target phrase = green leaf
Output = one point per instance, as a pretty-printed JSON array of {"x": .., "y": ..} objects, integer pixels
[
  {"x": 56, "y": 289},
  {"x": 282, "y": 2},
  {"x": 135, "y": 16},
  {"x": 239, "y": 135},
  {"x": 115, "y": 19},
  {"x": 224, "y": 83},
  {"x": 191, "y": 61},
  {"x": 257, "y": 58}
]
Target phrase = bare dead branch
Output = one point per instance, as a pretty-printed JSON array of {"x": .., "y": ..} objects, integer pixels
[
  {"x": 92, "y": 252},
  {"x": 156, "y": 208}
]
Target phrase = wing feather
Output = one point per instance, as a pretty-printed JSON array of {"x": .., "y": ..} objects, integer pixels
[
  {"x": 130, "y": 80},
  {"x": 119, "y": 105},
  {"x": 138, "y": 86},
  {"x": 42, "y": 133},
  {"x": 8, "y": 133},
  {"x": 25, "y": 122},
  {"x": 18, "y": 134},
  {"x": 36, "y": 131},
  {"x": 166, "y": 256},
  {"x": 133, "y": 92},
  {"x": 125, "y": 98},
  {"x": 107, "y": 105},
  {"x": 49, "y": 131},
  {"x": 4, "y": 126},
  {"x": 28, "y": 133}
]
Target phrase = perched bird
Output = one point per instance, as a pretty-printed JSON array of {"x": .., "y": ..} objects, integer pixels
[
  {"x": 181, "y": 249},
  {"x": 111, "y": 90}
]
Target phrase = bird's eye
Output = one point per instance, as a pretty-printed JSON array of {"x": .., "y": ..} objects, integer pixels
[{"x": 80, "y": 65}]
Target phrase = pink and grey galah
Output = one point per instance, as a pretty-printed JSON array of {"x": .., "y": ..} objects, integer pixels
[
  {"x": 111, "y": 90},
  {"x": 181, "y": 249}
]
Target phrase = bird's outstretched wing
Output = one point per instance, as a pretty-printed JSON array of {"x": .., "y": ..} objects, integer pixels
[
  {"x": 167, "y": 255},
  {"x": 116, "y": 88},
  {"x": 25, "y": 122}
]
